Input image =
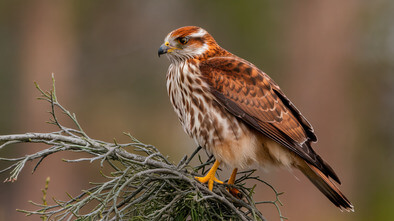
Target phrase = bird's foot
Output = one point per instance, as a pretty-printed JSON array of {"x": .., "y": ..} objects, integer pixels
[
  {"x": 210, "y": 177},
  {"x": 234, "y": 191}
]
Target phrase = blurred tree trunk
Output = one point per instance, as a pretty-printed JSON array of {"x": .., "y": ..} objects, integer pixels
[
  {"x": 320, "y": 44},
  {"x": 47, "y": 45}
]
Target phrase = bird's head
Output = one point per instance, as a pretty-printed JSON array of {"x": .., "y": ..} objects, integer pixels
[{"x": 188, "y": 42}]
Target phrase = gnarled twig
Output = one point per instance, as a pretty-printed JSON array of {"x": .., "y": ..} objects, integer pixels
[{"x": 141, "y": 187}]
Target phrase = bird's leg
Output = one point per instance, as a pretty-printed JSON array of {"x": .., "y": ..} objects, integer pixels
[
  {"x": 234, "y": 191},
  {"x": 233, "y": 175},
  {"x": 210, "y": 177}
]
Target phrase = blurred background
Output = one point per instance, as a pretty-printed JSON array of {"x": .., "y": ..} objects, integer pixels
[{"x": 334, "y": 60}]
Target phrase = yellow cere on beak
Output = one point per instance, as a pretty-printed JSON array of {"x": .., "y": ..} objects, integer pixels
[
  {"x": 166, "y": 48},
  {"x": 170, "y": 47}
]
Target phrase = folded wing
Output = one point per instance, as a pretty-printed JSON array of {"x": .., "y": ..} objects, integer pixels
[{"x": 252, "y": 96}]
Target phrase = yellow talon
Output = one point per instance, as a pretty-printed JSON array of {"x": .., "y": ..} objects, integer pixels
[
  {"x": 234, "y": 191},
  {"x": 210, "y": 177},
  {"x": 232, "y": 177}
]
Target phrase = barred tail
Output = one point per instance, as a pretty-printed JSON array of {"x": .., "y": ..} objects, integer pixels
[{"x": 326, "y": 186}]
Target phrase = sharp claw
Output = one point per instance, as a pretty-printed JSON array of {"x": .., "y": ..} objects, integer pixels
[
  {"x": 235, "y": 192},
  {"x": 202, "y": 179},
  {"x": 209, "y": 179},
  {"x": 210, "y": 184},
  {"x": 217, "y": 181}
]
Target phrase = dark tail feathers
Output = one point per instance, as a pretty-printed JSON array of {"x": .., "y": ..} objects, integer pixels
[{"x": 327, "y": 187}]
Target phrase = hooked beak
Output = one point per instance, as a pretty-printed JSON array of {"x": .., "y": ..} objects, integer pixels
[
  {"x": 166, "y": 48},
  {"x": 163, "y": 49}
]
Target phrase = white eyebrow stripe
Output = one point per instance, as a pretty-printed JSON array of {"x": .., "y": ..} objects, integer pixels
[
  {"x": 167, "y": 37},
  {"x": 199, "y": 34}
]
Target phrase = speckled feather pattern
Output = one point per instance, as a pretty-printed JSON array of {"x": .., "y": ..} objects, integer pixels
[
  {"x": 238, "y": 113},
  {"x": 201, "y": 116},
  {"x": 202, "y": 99},
  {"x": 212, "y": 127}
]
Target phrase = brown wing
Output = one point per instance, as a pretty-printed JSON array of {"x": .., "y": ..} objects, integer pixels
[{"x": 252, "y": 96}]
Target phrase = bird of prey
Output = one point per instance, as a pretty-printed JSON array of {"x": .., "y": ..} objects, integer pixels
[{"x": 238, "y": 113}]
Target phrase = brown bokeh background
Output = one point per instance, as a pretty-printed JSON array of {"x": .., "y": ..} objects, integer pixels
[{"x": 334, "y": 60}]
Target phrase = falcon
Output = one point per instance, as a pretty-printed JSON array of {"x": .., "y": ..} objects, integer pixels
[{"x": 239, "y": 114}]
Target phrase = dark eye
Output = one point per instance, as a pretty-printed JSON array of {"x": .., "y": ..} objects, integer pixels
[{"x": 183, "y": 40}]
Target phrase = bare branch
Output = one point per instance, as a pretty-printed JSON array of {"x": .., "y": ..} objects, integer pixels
[{"x": 143, "y": 186}]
